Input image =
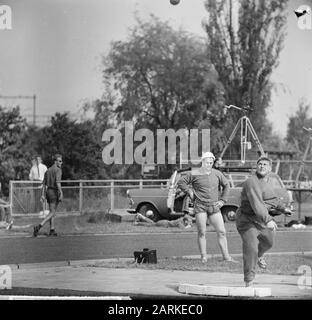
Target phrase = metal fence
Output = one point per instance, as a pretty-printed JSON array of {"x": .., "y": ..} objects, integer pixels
[
  {"x": 79, "y": 195},
  {"x": 82, "y": 196}
]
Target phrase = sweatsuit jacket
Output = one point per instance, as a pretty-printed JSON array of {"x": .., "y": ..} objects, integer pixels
[{"x": 257, "y": 198}]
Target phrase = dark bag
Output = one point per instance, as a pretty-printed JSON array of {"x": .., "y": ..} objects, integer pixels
[{"x": 145, "y": 256}]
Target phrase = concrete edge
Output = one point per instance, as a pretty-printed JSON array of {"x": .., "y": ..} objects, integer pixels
[
  {"x": 224, "y": 290},
  {"x": 69, "y": 263},
  {"x": 23, "y": 297},
  {"x": 209, "y": 256}
]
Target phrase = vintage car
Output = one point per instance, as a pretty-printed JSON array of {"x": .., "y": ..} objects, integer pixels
[{"x": 169, "y": 202}]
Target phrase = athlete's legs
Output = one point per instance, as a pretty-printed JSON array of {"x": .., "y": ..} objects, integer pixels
[
  {"x": 201, "y": 220},
  {"x": 216, "y": 220}
]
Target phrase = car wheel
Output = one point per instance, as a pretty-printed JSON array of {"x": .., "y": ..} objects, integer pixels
[
  {"x": 149, "y": 207},
  {"x": 229, "y": 213}
]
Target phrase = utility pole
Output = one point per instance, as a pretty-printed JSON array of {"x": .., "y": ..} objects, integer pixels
[{"x": 33, "y": 97}]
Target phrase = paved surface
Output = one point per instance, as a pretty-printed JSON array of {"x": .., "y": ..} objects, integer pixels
[
  {"x": 142, "y": 283},
  {"x": 134, "y": 283},
  {"x": 80, "y": 247}
]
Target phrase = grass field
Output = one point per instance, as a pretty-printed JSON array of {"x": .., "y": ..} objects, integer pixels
[
  {"x": 90, "y": 223},
  {"x": 277, "y": 264}
]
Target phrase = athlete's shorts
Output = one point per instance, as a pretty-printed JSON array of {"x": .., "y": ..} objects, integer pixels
[
  {"x": 52, "y": 196},
  {"x": 210, "y": 209}
]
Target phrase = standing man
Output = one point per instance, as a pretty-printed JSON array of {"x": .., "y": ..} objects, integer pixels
[
  {"x": 253, "y": 221},
  {"x": 203, "y": 186},
  {"x": 37, "y": 170},
  {"x": 36, "y": 173},
  {"x": 52, "y": 192}
]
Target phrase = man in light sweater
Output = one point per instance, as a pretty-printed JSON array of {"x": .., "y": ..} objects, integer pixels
[
  {"x": 253, "y": 221},
  {"x": 203, "y": 186}
]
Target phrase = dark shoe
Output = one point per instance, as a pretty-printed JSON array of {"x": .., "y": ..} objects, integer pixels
[
  {"x": 53, "y": 233},
  {"x": 36, "y": 230},
  {"x": 261, "y": 263},
  {"x": 248, "y": 284}
]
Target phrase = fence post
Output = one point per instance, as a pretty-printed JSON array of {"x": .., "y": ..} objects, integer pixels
[
  {"x": 11, "y": 197},
  {"x": 141, "y": 184},
  {"x": 80, "y": 197},
  {"x": 112, "y": 196}
]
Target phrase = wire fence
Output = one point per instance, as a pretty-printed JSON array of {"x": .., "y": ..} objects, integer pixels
[
  {"x": 83, "y": 196},
  {"x": 80, "y": 196}
]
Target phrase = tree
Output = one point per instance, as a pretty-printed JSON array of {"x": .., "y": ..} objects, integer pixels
[
  {"x": 296, "y": 135},
  {"x": 159, "y": 78},
  {"x": 14, "y": 156},
  {"x": 245, "y": 39},
  {"x": 77, "y": 143}
]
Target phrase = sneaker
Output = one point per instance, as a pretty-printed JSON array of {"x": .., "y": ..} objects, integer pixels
[
  {"x": 248, "y": 284},
  {"x": 36, "y": 230},
  {"x": 204, "y": 259},
  {"x": 261, "y": 263},
  {"x": 53, "y": 233}
]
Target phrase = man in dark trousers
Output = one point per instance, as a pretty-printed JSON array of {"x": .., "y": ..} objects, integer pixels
[
  {"x": 52, "y": 192},
  {"x": 253, "y": 221}
]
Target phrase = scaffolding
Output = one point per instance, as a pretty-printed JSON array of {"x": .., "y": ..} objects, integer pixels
[{"x": 245, "y": 126}]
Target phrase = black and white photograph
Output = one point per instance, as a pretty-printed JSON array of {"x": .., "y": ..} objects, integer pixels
[{"x": 157, "y": 152}]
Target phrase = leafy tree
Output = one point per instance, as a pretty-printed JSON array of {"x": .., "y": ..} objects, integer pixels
[
  {"x": 296, "y": 135},
  {"x": 78, "y": 144},
  {"x": 14, "y": 155},
  {"x": 160, "y": 77},
  {"x": 245, "y": 39}
]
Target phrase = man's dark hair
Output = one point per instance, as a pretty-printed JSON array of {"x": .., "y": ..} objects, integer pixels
[{"x": 57, "y": 156}]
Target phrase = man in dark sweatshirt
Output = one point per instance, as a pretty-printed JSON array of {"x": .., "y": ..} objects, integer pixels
[
  {"x": 253, "y": 221},
  {"x": 203, "y": 186}
]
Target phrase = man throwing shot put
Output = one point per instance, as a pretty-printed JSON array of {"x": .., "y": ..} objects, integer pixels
[
  {"x": 52, "y": 192},
  {"x": 253, "y": 221},
  {"x": 203, "y": 186}
]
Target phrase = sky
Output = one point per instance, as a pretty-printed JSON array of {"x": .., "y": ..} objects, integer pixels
[{"x": 54, "y": 51}]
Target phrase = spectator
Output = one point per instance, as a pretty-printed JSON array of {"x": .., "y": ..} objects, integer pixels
[
  {"x": 37, "y": 170},
  {"x": 52, "y": 192},
  {"x": 5, "y": 213},
  {"x": 183, "y": 222},
  {"x": 203, "y": 186}
]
